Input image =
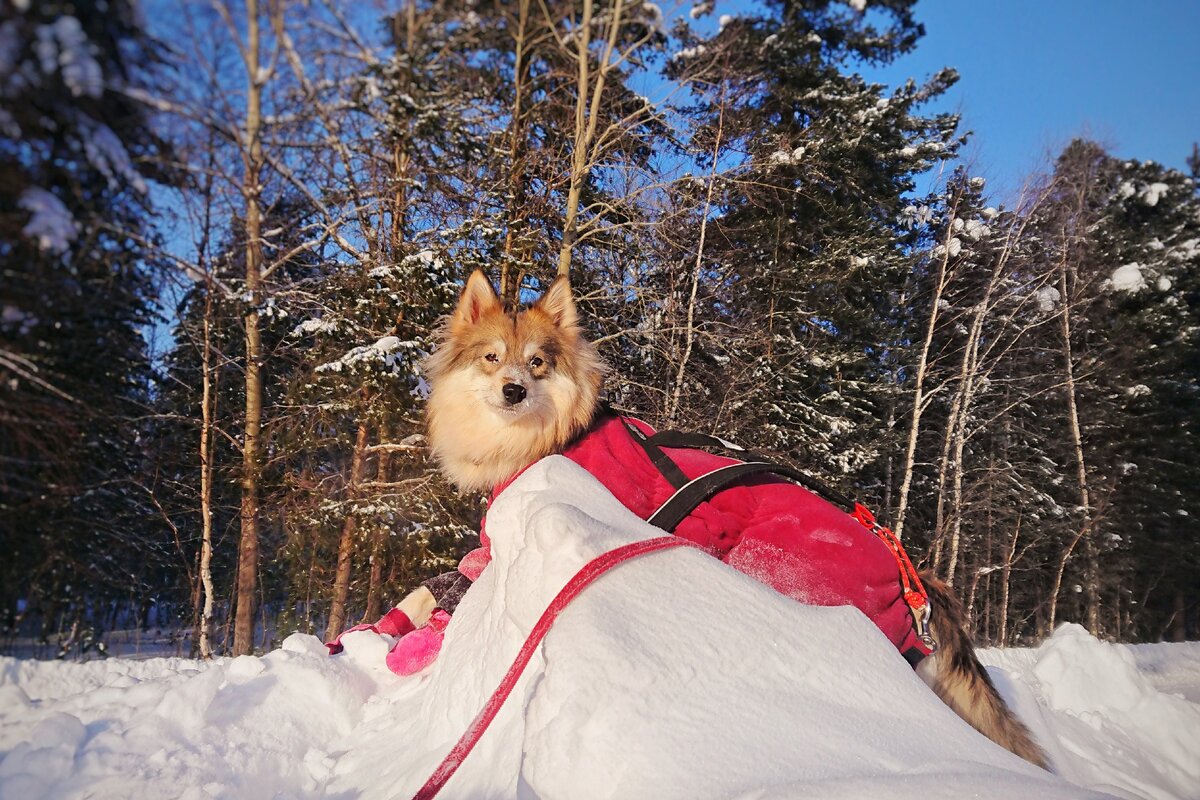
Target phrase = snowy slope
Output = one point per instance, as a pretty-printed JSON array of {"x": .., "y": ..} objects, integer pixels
[{"x": 671, "y": 677}]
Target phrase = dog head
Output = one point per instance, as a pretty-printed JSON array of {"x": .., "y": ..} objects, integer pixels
[{"x": 508, "y": 388}]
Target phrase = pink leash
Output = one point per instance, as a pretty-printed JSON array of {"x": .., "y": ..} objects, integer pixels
[{"x": 590, "y": 572}]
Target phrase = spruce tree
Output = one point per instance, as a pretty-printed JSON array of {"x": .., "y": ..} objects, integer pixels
[
  {"x": 808, "y": 259},
  {"x": 75, "y": 295}
]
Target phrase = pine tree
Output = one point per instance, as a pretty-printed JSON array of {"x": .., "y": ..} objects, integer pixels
[
  {"x": 1150, "y": 238},
  {"x": 75, "y": 295},
  {"x": 808, "y": 257}
]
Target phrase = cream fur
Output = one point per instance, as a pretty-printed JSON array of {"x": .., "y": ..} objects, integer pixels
[{"x": 478, "y": 439}]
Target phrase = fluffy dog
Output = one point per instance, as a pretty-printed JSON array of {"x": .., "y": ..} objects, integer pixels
[{"x": 509, "y": 387}]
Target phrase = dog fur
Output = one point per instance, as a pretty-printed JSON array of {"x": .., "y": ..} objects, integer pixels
[
  {"x": 481, "y": 437},
  {"x": 478, "y": 436}
]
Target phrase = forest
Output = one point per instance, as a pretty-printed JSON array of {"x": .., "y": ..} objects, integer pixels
[{"x": 228, "y": 232}]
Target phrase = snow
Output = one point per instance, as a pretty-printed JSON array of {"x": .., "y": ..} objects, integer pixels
[
  {"x": 62, "y": 45},
  {"x": 690, "y": 52},
  {"x": 1128, "y": 278},
  {"x": 1115, "y": 717},
  {"x": 787, "y": 156},
  {"x": 913, "y": 215},
  {"x": 106, "y": 153},
  {"x": 382, "y": 351},
  {"x": 311, "y": 326},
  {"x": 50, "y": 222},
  {"x": 953, "y": 247},
  {"x": 1150, "y": 194},
  {"x": 652, "y": 16},
  {"x": 1047, "y": 298},
  {"x": 671, "y": 677},
  {"x": 977, "y": 230}
]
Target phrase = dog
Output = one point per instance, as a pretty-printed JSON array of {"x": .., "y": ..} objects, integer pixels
[{"x": 509, "y": 387}]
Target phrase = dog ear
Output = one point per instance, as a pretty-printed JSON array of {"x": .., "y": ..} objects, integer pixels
[
  {"x": 558, "y": 303},
  {"x": 478, "y": 298}
]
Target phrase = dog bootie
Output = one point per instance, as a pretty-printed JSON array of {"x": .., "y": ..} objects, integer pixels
[
  {"x": 393, "y": 623},
  {"x": 417, "y": 650}
]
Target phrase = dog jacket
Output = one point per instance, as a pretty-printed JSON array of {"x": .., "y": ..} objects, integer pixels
[{"x": 775, "y": 531}]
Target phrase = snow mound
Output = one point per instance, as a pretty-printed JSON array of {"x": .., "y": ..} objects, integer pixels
[
  {"x": 1106, "y": 718},
  {"x": 672, "y": 676}
]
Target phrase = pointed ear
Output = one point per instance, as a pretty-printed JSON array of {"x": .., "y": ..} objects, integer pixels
[
  {"x": 558, "y": 303},
  {"x": 478, "y": 297}
]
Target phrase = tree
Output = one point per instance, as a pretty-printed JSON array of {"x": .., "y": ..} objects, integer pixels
[
  {"x": 75, "y": 296},
  {"x": 806, "y": 245}
]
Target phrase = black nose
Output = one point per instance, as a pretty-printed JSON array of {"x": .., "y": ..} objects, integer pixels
[{"x": 513, "y": 393}]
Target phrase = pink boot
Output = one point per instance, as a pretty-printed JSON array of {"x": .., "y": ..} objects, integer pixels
[
  {"x": 417, "y": 650},
  {"x": 393, "y": 623}
]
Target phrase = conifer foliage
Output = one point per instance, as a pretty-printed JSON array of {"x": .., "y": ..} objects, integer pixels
[{"x": 75, "y": 296}]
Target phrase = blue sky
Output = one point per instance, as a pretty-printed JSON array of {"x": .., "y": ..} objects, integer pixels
[{"x": 1036, "y": 74}]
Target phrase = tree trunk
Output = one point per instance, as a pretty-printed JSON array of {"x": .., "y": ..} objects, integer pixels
[
  {"x": 1091, "y": 578},
  {"x": 919, "y": 400},
  {"x": 975, "y": 576},
  {"x": 1178, "y": 617},
  {"x": 375, "y": 582},
  {"x": 690, "y": 328},
  {"x": 247, "y": 577},
  {"x": 510, "y": 284},
  {"x": 207, "y": 411},
  {"x": 935, "y": 558},
  {"x": 587, "y": 115},
  {"x": 1006, "y": 583},
  {"x": 341, "y": 579}
]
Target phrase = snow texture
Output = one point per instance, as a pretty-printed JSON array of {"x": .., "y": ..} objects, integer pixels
[
  {"x": 382, "y": 351},
  {"x": 1151, "y": 194},
  {"x": 1047, "y": 298},
  {"x": 673, "y": 676},
  {"x": 106, "y": 153},
  {"x": 787, "y": 156},
  {"x": 311, "y": 326},
  {"x": 1128, "y": 278},
  {"x": 63, "y": 46},
  {"x": 50, "y": 223}
]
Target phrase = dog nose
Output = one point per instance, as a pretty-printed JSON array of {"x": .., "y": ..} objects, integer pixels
[{"x": 513, "y": 393}]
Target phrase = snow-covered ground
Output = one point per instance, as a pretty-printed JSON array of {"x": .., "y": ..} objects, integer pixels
[{"x": 671, "y": 677}]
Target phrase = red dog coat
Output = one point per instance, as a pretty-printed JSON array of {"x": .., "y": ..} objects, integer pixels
[{"x": 775, "y": 531}]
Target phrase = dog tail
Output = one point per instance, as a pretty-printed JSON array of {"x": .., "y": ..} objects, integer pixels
[{"x": 962, "y": 682}]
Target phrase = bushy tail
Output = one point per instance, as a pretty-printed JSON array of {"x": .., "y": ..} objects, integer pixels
[{"x": 963, "y": 683}]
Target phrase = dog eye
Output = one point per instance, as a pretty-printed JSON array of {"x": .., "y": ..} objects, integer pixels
[
  {"x": 491, "y": 358},
  {"x": 536, "y": 362}
]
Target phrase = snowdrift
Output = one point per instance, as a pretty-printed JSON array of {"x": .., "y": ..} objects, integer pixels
[{"x": 673, "y": 676}]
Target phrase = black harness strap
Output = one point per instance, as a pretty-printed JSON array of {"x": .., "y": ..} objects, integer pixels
[
  {"x": 700, "y": 440},
  {"x": 669, "y": 469},
  {"x": 694, "y": 492},
  {"x": 696, "y": 441}
]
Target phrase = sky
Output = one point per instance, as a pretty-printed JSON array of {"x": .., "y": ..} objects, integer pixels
[{"x": 1036, "y": 74}]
